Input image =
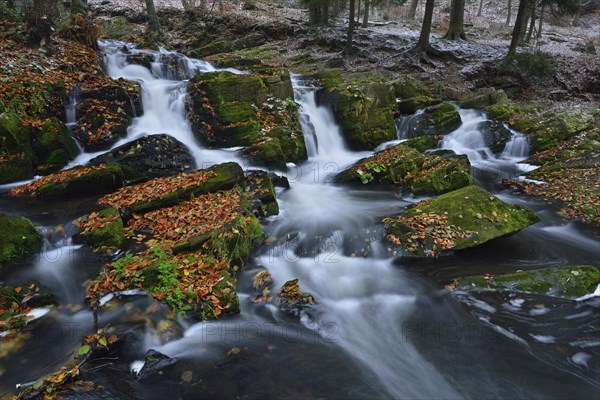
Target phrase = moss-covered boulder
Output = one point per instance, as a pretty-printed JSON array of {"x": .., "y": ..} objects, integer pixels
[
  {"x": 73, "y": 182},
  {"x": 413, "y": 104},
  {"x": 412, "y": 96},
  {"x": 18, "y": 239},
  {"x": 16, "y": 154},
  {"x": 423, "y": 143},
  {"x": 483, "y": 98},
  {"x": 101, "y": 229},
  {"x": 149, "y": 157},
  {"x": 461, "y": 219},
  {"x": 564, "y": 281},
  {"x": 435, "y": 120},
  {"x": 417, "y": 173},
  {"x": 254, "y": 112},
  {"x": 495, "y": 135},
  {"x": 53, "y": 145},
  {"x": 261, "y": 194},
  {"x": 105, "y": 112},
  {"x": 363, "y": 104},
  {"x": 169, "y": 191}
]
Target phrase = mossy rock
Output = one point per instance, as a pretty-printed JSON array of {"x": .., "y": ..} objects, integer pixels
[
  {"x": 474, "y": 210},
  {"x": 413, "y": 104},
  {"x": 483, "y": 98},
  {"x": 564, "y": 281},
  {"x": 267, "y": 153},
  {"x": 435, "y": 120},
  {"x": 214, "y": 47},
  {"x": 223, "y": 177},
  {"x": 16, "y": 154},
  {"x": 54, "y": 145},
  {"x": 14, "y": 168},
  {"x": 423, "y": 143},
  {"x": 96, "y": 181},
  {"x": 119, "y": 28},
  {"x": 417, "y": 173},
  {"x": 18, "y": 239},
  {"x": 261, "y": 194},
  {"x": 406, "y": 88},
  {"x": 363, "y": 104},
  {"x": 102, "y": 229}
]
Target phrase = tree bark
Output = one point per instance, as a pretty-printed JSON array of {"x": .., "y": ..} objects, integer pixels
[
  {"x": 153, "y": 23},
  {"x": 480, "y": 8},
  {"x": 365, "y": 22},
  {"x": 423, "y": 43},
  {"x": 539, "y": 32},
  {"x": 456, "y": 28},
  {"x": 516, "y": 35},
  {"x": 523, "y": 23},
  {"x": 357, "y": 14},
  {"x": 350, "y": 28},
  {"x": 509, "y": 13},
  {"x": 531, "y": 27},
  {"x": 412, "y": 9}
]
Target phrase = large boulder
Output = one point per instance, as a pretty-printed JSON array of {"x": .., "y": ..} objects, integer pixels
[
  {"x": 53, "y": 145},
  {"x": 18, "y": 239},
  {"x": 16, "y": 154},
  {"x": 417, "y": 173},
  {"x": 564, "y": 281},
  {"x": 105, "y": 112},
  {"x": 254, "y": 112},
  {"x": 363, "y": 104},
  {"x": 261, "y": 194},
  {"x": 458, "y": 220},
  {"x": 435, "y": 120},
  {"x": 495, "y": 135},
  {"x": 149, "y": 157},
  {"x": 101, "y": 229}
]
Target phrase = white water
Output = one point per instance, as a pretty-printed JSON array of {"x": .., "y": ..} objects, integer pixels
[{"x": 163, "y": 99}]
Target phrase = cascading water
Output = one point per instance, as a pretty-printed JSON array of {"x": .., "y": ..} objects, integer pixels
[{"x": 164, "y": 96}]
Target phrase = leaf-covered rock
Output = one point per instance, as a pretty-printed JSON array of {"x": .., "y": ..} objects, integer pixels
[
  {"x": 458, "y": 220},
  {"x": 291, "y": 300},
  {"x": 261, "y": 194},
  {"x": 101, "y": 229}
]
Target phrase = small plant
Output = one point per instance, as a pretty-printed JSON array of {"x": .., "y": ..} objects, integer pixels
[{"x": 537, "y": 64}]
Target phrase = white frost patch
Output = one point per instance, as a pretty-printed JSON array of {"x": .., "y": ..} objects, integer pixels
[
  {"x": 581, "y": 358},
  {"x": 543, "y": 338}
]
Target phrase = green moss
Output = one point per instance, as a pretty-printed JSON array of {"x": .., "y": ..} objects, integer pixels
[
  {"x": 95, "y": 181},
  {"x": 247, "y": 232},
  {"x": 54, "y": 135},
  {"x": 412, "y": 104},
  {"x": 565, "y": 281},
  {"x": 423, "y": 143},
  {"x": 111, "y": 234},
  {"x": 215, "y": 47},
  {"x": 18, "y": 239},
  {"x": 451, "y": 176},
  {"x": 473, "y": 209},
  {"x": 119, "y": 28},
  {"x": 15, "y": 168},
  {"x": 484, "y": 97},
  {"x": 407, "y": 88},
  {"x": 444, "y": 117}
]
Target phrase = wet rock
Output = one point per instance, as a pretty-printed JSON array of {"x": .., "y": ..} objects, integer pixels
[
  {"x": 102, "y": 229},
  {"x": 73, "y": 182},
  {"x": 261, "y": 286},
  {"x": 149, "y": 157},
  {"x": 565, "y": 281},
  {"x": 18, "y": 239},
  {"x": 413, "y": 104},
  {"x": 423, "y": 143},
  {"x": 155, "y": 364},
  {"x": 257, "y": 113},
  {"x": 104, "y": 113},
  {"x": 15, "y": 301},
  {"x": 435, "y": 120},
  {"x": 54, "y": 146},
  {"x": 495, "y": 135},
  {"x": 461, "y": 219},
  {"x": 417, "y": 173},
  {"x": 292, "y": 301},
  {"x": 261, "y": 194},
  {"x": 178, "y": 188},
  {"x": 483, "y": 98},
  {"x": 16, "y": 154},
  {"x": 363, "y": 104}
]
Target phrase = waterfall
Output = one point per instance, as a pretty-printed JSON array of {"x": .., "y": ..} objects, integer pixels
[
  {"x": 164, "y": 95},
  {"x": 517, "y": 148}
]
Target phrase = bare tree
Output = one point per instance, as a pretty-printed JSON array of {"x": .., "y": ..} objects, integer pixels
[
  {"x": 520, "y": 24},
  {"x": 365, "y": 22},
  {"x": 350, "y": 28},
  {"x": 412, "y": 9},
  {"x": 423, "y": 43},
  {"x": 480, "y": 10},
  {"x": 153, "y": 23}
]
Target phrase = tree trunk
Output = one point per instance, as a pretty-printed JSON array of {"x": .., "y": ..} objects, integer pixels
[
  {"x": 350, "y": 29},
  {"x": 423, "y": 43},
  {"x": 539, "y": 32},
  {"x": 527, "y": 14},
  {"x": 577, "y": 14},
  {"x": 480, "y": 8},
  {"x": 153, "y": 23},
  {"x": 456, "y": 28},
  {"x": 412, "y": 9},
  {"x": 521, "y": 20},
  {"x": 531, "y": 27},
  {"x": 357, "y": 14},
  {"x": 509, "y": 13},
  {"x": 365, "y": 22}
]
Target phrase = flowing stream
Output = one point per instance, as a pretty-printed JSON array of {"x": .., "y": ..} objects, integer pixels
[{"x": 380, "y": 328}]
